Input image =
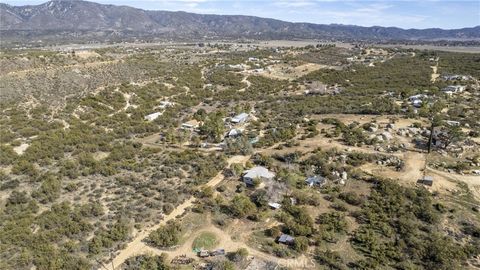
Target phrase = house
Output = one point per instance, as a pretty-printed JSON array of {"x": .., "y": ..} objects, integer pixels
[
  {"x": 192, "y": 124},
  {"x": 416, "y": 97},
  {"x": 456, "y": 77},
  {"x": 237, "y": 66},
  {"x": 240, "y": 118},
  {"x": 257, "y": 172},
  {"x": 252, "y": 59},
  {"x": 165, "y": 104},
  {"x": 152, "y": 116},
  {"x": 417, "y": 103},
  {"x": 454, "y": 88},
  {"x": 452, "y": 123},
  {"x": 274, "y": 206},
  {"x": 316, "y": 180},
  {"x": 234, "y": 133},
  {"x": 286, "y": 239},
  {"x": 426, "y": 180}
]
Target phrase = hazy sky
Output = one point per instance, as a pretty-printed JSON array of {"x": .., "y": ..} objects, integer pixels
[{"x": 402, "y": 13}]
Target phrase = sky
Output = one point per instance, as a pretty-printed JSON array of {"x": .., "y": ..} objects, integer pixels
[{"x": 401, "y": 13}]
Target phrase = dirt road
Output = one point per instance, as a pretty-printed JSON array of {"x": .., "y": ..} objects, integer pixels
[
  {"x": 435, "y": 74},
  {"x": 136, "y": 246}
]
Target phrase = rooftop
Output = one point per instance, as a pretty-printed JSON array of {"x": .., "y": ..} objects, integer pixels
[{"x": 258, "y": 172}]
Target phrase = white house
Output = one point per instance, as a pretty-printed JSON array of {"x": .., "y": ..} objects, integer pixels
[
  {"x": 274, "y": 205},
  {"x": 192, "y": 124},
  {"x": 240, "y": 118},
  {"x": 417, "y": 103},
  {"x": 452, "y": 123},
  {"x": 454, "y": 88},
  {"x": 417, "y": 97},
  {"x": 257, "y": 172},
  {"x": 234, "y": 132},
  {"x": 165, "y": 104},
  {"x": 152, "y": 116}
]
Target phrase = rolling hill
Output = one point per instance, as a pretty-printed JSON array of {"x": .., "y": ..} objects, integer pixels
[{"x": 82, "y": 20}]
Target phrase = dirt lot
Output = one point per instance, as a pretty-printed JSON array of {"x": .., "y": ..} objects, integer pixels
[{"x": 286, "y": 72}]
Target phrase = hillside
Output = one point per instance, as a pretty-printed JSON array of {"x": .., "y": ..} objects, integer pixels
[{"x": 73, "y": 20}]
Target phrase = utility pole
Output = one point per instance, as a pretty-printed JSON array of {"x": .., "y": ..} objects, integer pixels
[
  {"x": 430, "y": 139},
  {"x": 111, "y": 258}
]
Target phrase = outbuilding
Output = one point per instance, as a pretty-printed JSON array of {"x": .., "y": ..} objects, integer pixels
[
  {"x": 286, "y": 239},
  {"x": 426, "y": 180}
]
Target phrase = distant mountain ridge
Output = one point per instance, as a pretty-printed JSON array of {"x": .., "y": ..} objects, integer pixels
[{"x": 89, "y": 20}]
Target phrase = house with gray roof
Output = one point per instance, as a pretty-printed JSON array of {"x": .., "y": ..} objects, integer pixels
[
  {"x": 239, "y": 118},
  {"x": 257, "y": 172},
  {"x": 286, "y": 239}
]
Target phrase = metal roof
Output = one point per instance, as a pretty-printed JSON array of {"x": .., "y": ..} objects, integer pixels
[{"x": 258, "y": 172}]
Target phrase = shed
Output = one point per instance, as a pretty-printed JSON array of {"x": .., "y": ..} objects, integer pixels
[
  {"x": 426, "y": 180},
  {"x": 257, "y": 172},
  {"x": 286, "y": 239}
]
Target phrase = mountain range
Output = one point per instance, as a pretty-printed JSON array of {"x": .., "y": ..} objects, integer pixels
[{"x": 82, "y": 20}]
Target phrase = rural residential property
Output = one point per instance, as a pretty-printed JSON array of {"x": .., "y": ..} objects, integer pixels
[{"x": 239, "y": 135}]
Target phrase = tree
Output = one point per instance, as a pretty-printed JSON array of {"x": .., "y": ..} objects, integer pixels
[
  {"x": 239, "y": 255},
  {"x": 241, "y": 206},
  {"x": 453, "y": 134},
  {"x": 213, "y": 127},
  {"x": 240, "y": 145},
  {"x": 165, "y": 236},
  {"x": 300, "y": 244},
  {"x": 49, "y": 190},
  {"x": 260, "y": 198},
  {"x": 147, "y": 262}
]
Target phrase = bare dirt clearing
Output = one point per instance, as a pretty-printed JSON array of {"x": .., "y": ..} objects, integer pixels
[{"x": 286, "y": 72}]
